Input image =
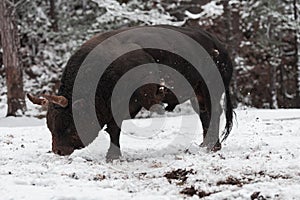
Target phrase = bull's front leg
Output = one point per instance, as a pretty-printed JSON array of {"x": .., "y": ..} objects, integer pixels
[{"x": 114, "y": 151}]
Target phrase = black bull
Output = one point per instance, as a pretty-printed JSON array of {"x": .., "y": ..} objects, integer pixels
[{"x": 65, "y": 138}]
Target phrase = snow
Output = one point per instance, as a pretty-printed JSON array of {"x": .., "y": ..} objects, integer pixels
[
  {"x": 210, "y": 10},
  {"x": 261, "y": 155}
]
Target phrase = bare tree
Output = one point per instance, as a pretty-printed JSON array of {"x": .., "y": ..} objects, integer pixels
[
  {"x": 231, "y": 15},
  {"x": 11, "y": 59},
  {"x": 274, "y": 62},
  {"x": 53, "y": 16},
  {"x": 297, "y": 48}
]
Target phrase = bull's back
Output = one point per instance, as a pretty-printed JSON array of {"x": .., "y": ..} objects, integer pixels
[{"x": 208, "y": 42}]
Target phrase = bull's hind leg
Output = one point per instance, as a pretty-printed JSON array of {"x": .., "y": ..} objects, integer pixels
[
  {"x": 205, "y": 120},
  {"x": 205, "y": 117},
  {"x": 114, "y": 151}
]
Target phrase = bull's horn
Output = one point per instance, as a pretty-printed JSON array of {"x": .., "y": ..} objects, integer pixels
[
  {"x": 37, "y": 100},
  {"x": 59, "y": 100}
]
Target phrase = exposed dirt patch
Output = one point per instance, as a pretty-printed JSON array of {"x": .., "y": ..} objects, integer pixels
[
  {"x": 191, "y": 191},
  {"x": 250, "y": 179},
  {"x": 99, "y": 177},
  {"x": 272, "y": 175},
  {"x": 180, "y": 175},
  {"x": 72, "y": 175},
  {"x": 230, "y": 181},
  {"x": 278, "y": 176},
  {"x": 257, "y": 196}
]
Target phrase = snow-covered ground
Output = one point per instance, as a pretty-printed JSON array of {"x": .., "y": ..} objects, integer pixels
[{"x": 260, "y": 159}]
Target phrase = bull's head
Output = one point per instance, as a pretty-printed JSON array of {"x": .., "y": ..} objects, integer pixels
[
  {"x": 151, "y": 96},
  {"x": 60, "y": 123}
]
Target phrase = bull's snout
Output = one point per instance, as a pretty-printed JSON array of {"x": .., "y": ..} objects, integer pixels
[
  {"x": 158, "y": 108},
  {"x": 63, "y": 150}
]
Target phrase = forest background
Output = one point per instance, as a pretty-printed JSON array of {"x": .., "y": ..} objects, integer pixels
[{"x": 263, "y": 39}]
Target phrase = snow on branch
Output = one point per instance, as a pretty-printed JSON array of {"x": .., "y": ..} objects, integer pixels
[
  {"x": 210, "y": 10},
  {"x": 132, "y": 12}
]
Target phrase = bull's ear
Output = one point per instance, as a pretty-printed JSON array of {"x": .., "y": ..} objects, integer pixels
[
  {"x": 37, "y": 100},
  {"x": 58, "y": 100}
]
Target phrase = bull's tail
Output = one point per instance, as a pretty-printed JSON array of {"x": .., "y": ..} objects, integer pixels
[{"x": 229, "y": 116}]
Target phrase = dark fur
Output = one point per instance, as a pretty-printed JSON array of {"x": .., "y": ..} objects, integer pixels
[{"x": 60, "y": 120}]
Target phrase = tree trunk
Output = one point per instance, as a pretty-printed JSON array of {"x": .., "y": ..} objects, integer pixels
[
  {"x": 231, "y": 46},
  {"x": 273, "y": 87},
  {"x": 11, "y": 60},
  {"x": 273, "y": 67},
  {"x": 297, "y": 51},
  {"x": 235, "y": 41},
  {"x": 53, "y": 17}
]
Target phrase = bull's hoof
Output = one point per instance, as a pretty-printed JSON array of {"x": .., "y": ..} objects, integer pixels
[
  {"x": 217, "y": 147},
  {"x": 113, "y": 154},
  {"x": 213, "y": 148}
]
